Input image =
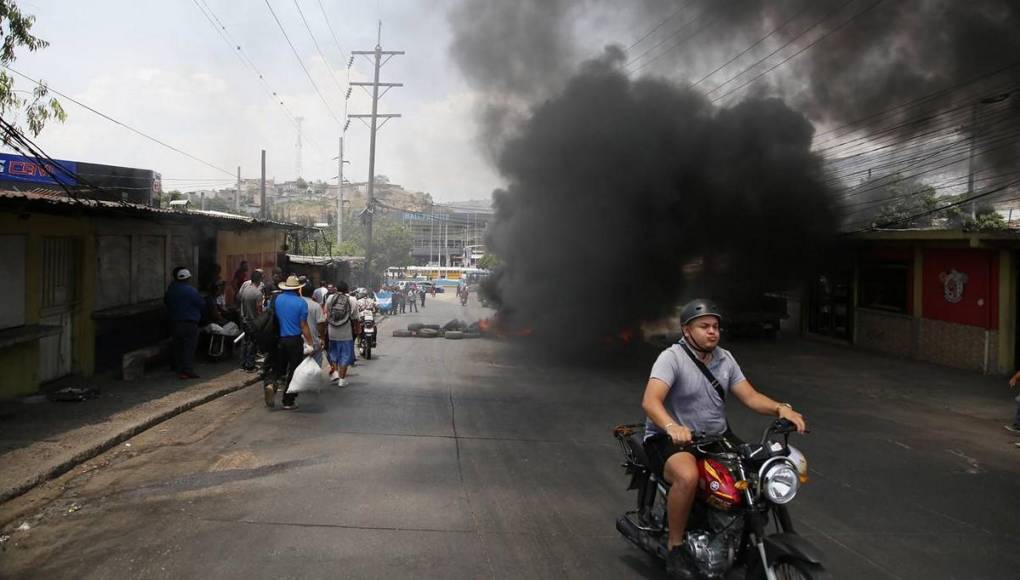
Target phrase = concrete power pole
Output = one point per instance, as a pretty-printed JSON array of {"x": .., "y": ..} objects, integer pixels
[
  {"x": 340, "y": 194},
  {"x": 262, "y": 188},
  {"x": 299, "y": 121},
  {"x": 376, "y": 56}
]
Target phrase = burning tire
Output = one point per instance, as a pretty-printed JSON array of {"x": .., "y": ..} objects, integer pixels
[{"x": 401, "y": 333}]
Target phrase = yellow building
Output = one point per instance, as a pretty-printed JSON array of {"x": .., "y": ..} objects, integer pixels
[{"x": 84, "y": 280}]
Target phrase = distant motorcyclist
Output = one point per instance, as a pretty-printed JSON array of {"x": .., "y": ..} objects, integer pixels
[{"x": 679, "y": 400}]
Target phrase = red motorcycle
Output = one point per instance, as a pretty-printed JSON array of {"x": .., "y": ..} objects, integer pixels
[{"x": 742, "y": 490}]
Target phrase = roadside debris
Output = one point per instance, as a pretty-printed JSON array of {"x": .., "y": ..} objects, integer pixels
[
  {"x": 24, "y": 527},
  {"x": 452, "y": 330},
  {"x": 75, "y": 394}
]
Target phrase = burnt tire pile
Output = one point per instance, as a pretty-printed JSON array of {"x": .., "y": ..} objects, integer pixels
[{"x": 452, "y": 330}]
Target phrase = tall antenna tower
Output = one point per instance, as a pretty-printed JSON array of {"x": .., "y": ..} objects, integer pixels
[{"x": 299, "y": 120}]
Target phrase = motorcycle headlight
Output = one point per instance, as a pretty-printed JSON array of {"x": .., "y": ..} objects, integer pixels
[{"x": 780, "y": 482}]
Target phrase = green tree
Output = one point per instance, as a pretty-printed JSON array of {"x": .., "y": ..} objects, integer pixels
[
  {"x": 908, "y": 203},
  {"x": 392, "y": 243},
  {"x": 15, "y": 28},
  {"x": 489, "y": 261},
  {"x": 301, "y": 184}
]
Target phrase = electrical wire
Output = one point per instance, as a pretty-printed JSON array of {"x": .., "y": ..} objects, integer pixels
[
  {"x": 810, "y": 45},
  {"x": 122, "y": 124},
  {"x": 332, "y": 33},
  {"x": 317, "y": 49},
  {"x": 633, "y": 61},
  {"x": 301, "y": 62}
]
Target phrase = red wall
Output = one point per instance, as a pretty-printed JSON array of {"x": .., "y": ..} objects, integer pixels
[{"x": 980, "y": 303}]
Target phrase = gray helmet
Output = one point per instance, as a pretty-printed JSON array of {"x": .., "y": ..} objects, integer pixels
[{"x": 697, "y": 308}]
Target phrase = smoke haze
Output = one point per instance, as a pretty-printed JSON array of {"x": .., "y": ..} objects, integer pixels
[{"x": 620, "y": 172}]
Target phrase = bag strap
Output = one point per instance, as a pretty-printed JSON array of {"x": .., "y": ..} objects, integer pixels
[{"x": 704, "y": 370}]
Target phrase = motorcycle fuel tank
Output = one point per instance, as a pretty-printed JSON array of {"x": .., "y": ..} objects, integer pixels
[{"x": 716, "y": 485}]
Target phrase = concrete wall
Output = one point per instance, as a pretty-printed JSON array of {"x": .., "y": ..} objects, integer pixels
[
  {"x": 886, "y": 332},
  {"x": 957, "y": 345},
  {"x": 20, "y": 363}
]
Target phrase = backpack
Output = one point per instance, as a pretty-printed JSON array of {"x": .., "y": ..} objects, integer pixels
[
  {"x": 265, "y": 329},
  {"x": 340, "y": 310}
]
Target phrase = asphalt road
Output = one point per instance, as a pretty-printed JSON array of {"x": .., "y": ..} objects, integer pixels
[{"x": 470, "y": 459}]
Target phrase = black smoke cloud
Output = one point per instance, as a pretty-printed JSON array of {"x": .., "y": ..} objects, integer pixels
[{"x": 615, "y": 185}]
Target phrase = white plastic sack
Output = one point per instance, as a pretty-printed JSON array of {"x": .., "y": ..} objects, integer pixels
[
  {"x": 212, "y": 328},
  {"x": 308, "y": 377},
  {"x": 231, "y": 329}
]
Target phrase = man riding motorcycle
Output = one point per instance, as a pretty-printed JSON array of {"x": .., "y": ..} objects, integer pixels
[{"x": 680, "y": 400}]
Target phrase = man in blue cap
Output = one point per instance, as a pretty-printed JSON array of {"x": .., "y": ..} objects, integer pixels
[{"x": 184, "y": 309}]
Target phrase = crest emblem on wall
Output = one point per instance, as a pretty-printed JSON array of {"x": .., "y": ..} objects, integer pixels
[{"x": 952, "y": 285}]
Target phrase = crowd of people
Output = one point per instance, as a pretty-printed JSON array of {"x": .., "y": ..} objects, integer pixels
[
  {"x": 282, "y": 319},
  {"x": 406, "y": 298}
]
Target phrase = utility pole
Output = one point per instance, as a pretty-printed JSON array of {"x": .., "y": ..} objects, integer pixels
[
  {"x": 340, "y": 194},
  {"x": 299, "y": 121},
  {"x": 262, "y": 188},
  {"x": 237, "y": 196},
  {"x": 432, "y": 220},
  {"x": 377, "y": 56}
]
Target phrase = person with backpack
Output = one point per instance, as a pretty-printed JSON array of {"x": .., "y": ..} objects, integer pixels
[
  {"x": 341, "y": 314},
  {"x": 290, "y": 312}
]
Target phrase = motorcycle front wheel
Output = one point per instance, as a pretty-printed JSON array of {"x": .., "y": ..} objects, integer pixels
[
  {"x": 368, "y": 352},
  {"x": 787, "y": 568}
]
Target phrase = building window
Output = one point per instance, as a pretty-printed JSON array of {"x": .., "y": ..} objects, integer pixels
[{"x": 885, "y": 286}]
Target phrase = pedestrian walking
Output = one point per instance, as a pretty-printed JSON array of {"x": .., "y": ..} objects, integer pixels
[
  {"x": 184, "y": 307},
  {"x": 412, "y": 299},
  {"x": 316, "y": 322},
  {"x": 341, "y": 312},
  {"x": 1015, "y": 426},
  {"x": 421, "y": 292},
  {"x": 249, "y": 299},
  {"x": 398, "y": 300},
  {"x": 240, "y": 277},
  {"x": 292, "y": 317},
  {"x": 319, "y": 295}
]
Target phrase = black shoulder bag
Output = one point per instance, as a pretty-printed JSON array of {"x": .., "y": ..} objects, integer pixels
[{"x": 712, "y": 380}]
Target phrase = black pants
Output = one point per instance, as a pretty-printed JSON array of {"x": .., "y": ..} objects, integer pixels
[
  {"x": 184, "y": 337},
  {"x": 289, "y": 354}
]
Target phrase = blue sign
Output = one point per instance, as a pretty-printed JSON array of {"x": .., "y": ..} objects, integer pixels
[{"x": 27, "y": 169}]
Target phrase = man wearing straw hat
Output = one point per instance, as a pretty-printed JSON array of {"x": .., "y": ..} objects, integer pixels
[{"x": 292, "y": 316}]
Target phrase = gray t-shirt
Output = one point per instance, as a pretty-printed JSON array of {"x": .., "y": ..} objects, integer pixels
[
  {"x": 691, "y": 399},
  {"x": 344, "y": 332},
  {"x": 315, "y": 316},
  {"x": 249, "y": 297}
]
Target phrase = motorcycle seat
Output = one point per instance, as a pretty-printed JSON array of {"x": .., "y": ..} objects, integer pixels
[{"x": 637, "y": 446}]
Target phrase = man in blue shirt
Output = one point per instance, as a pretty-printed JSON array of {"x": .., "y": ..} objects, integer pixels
[
  {"x": 184, "y": 310},
  {"x": 292, "y": 317}
]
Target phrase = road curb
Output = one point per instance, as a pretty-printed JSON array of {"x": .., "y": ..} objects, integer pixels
[{"x": 117, "y": 438}]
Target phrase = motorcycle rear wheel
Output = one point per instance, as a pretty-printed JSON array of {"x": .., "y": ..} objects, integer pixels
[{"x": 368, "y": 352}]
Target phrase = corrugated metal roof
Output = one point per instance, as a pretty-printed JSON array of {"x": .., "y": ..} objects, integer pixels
[
  {"x": 45, "y": 199},
  {"x": 322, "y": 260}
]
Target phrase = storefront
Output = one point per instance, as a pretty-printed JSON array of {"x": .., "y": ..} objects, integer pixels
[{"x": 942, "y": 296}]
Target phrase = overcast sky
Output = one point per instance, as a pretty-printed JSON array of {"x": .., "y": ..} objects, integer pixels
[{"x": 159, "y": 66}]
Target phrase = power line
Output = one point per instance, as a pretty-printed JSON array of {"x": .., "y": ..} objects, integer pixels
[
  {"x": 754, "y": 44},
  {"x": 301, "y": 62},
  {"x": 810, "y": 45},
  {"x": 336, "y": 42},
  {"x": 241, "y": 54},
  {"x": 658, "y": 26},
  {"x": 317, "y": 49},
  {"x": 631, "y": 62},
  {"x": 122, "y": 124}
]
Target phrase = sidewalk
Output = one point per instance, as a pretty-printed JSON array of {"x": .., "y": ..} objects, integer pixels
[{"x": 41, "y": 440}]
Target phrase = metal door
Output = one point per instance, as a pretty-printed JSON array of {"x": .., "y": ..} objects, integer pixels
[{"x": 58, "y": 300}]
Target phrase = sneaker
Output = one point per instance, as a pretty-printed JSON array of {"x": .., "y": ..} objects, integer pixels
[
  {"x": 341, "y": 383},
  {"x": 290, "y": 407},
  {"x": 269, "y": 392},
  {"x": 1014, "y": 428},
  {"x": 334, "y": 376},
  {"x": 679, "y": 564}
]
